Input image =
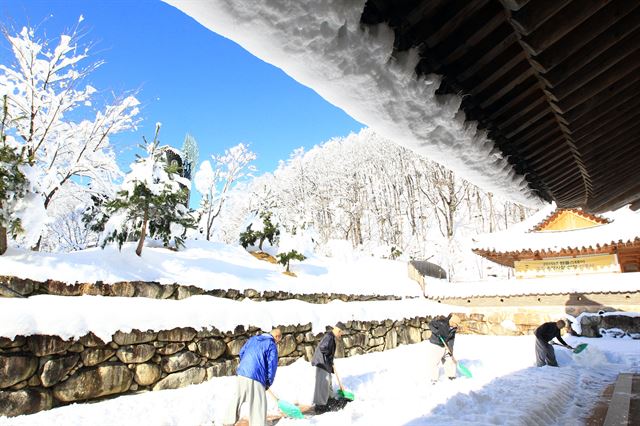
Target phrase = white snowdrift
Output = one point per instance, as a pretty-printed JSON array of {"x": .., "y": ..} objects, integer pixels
[{"x": 213, "y": 266}]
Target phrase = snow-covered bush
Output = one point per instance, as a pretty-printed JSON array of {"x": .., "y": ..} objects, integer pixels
[
  {"x": 261, "y": 228},
  {"x": 151, "y": 201},
  {"x": 285, "y": 258}
]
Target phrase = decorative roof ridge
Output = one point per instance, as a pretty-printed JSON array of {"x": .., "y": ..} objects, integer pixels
[{"x": 596, "y": 218}]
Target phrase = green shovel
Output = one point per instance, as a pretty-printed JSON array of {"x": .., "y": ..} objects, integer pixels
[
  {"x": 461, "y": 368},
  {"x": 287, "y": 408}
]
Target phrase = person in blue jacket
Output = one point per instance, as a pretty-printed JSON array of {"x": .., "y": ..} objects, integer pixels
[{"x": 256, "y": 373}]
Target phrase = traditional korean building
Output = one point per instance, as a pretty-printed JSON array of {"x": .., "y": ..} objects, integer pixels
[{"x": 566, "y": 241}]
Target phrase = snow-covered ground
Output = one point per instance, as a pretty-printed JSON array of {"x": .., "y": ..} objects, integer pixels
[
  {"x": 392, "y": 388},
  {"x": 214, "y": 266}
]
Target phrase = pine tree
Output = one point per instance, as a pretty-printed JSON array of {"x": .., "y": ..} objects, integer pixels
[
  {"x": 268, "y": 231},
  {"x": 151, "y": 202},
  {"x": 286, "y": 258},
  {"x": 13, "y": 183}
]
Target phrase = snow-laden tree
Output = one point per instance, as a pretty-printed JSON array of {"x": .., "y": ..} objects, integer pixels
[
  {"x": 384, "y": 199},
  {"x": 57, "y": 120},
  {"x": 151, "y": 201},
  {"x": 214, "y": 182}
]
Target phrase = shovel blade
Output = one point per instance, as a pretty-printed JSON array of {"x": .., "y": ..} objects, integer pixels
[
  {"x": 290, "y": 410},
  {"x": 345, "y": 394},
  {"x": 464, "y": 371},
  {"x": 581, "y": 347}
]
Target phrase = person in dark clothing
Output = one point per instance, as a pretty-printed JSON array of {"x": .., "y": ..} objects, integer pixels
[
  {"x": 323, "y": 361},
  {"x": 545, "y": 355},
  {"x": 256, "y": 373},
  {"x": 437, "y": 353}
]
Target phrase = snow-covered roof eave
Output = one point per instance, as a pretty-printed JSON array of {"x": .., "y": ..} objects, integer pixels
[
  {"x": 624, "y": 228},
  {"x": 323, "y": 46}
]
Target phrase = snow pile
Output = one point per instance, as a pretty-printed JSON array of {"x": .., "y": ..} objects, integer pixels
[
  {"x": 392, "y": 389},
  {"x": 624, "y": 227},
  {"x": 76, "y": 316},
  {"x": 322, "y": 45},
  {"x": 212, "y": 266}
]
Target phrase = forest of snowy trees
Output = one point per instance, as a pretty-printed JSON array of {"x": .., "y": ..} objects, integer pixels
[{"x": 62, "y": 188}]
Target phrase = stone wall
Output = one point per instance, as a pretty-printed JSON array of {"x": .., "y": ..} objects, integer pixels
[
  {"x": 40, "y": 372},
  {"x": 18, "y": 287}
]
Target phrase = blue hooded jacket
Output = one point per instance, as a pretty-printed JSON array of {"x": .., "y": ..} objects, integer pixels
[{"x": 259, "y": 359}]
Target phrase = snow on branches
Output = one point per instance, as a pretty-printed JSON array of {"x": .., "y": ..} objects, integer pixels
[
  {"x": 214, "y": 183},
  {"x": 151, "y": 201},
  {"x": 60, "y": 131}
]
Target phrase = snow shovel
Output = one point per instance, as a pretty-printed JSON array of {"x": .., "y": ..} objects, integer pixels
[
  {"x": 581, "y": 347},
  {"x": 287, "y": 408},
  {"x": 342, "y": 393},
  {"x": 461, "y": 368}
]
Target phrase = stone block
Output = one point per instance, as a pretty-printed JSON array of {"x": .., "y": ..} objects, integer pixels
[
  {"x": 6, "y": 343},
  {"x": 179, "y": 334},
  {"x": 171, "y": 348},
  {"x": 26, "y": 401},
  {"x": 134, "y": 337},
  {"x": 42, "y": 345},
  {"x": 95, "y": 356},
  {"x": 146, "y": 374},
  {"x": 211, "y": 348},
  {"x": 94, "y": 382},
  {"x": 286, "y": 346},
  {"x": 56, "y": 368},
  {"x": 179, "y": 361},
  {"x": 234, "y": 346},
  {"x": 136, "y": 354},
  {"x": 188, "y": 377},
  {"x": 15, "y": 368},
  {"x": 90, "y": 340}
]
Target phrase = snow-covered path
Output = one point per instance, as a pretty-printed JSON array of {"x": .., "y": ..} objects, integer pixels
[{"x": 392, "y": 389}]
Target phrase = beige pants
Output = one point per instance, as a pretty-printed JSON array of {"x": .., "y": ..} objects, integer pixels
[
  {"x": 434, "y": 359},
  {"x": 251, "y": 392}
]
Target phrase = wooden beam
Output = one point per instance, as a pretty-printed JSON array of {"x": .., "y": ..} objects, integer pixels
[
  {"x": 489, "y": 56},
  {"x": 514, "y": 4},
  {"x": 511, "y": 85},
  {"x": 617, "y": 34},
  {"x": 616, "y": 104},
  {"x": 582, "y": 36},
  {"x": 599, "y": 100},
  {"x": 530, "y": 90},
  {"x": 534, "y": 14},
  {"x": 627, "y": 68},
  {"x": 541, "y": 128},
  {"x": 560, "y": 24},
  {"x": 452, "y": 24},
  {"x": 516, "y": 65},
  {"x": 624, "y": 54},
  {"x": 630, "y": 193},
  {"x": 610, "y": 129},
  {"x": 541, "y": 109},
  {"x": 474, "y": 41},
  {"x": 518, "y": 113}
]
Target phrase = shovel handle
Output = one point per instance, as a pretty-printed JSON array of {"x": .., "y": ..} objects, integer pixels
[
  {"x": 273, "y": 395},
  {"x": 337, "y": 377},
  {"x": 448, "y": 350}
]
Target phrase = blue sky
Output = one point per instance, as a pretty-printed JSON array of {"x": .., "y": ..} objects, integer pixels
[{"x": 189, "y": 79}]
